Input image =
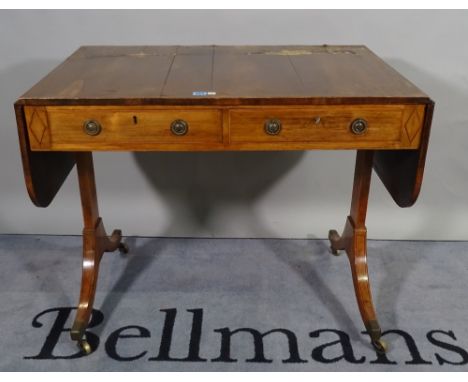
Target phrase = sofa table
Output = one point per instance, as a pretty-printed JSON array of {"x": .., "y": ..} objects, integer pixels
[{"x": 224, "y": 98}]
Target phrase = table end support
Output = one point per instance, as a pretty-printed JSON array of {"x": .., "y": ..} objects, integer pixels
[
  {"x": 354, "y": 242},
  {"x": 95, "y": 243}
]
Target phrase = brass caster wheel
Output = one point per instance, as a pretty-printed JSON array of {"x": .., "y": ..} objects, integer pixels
[
  {"x": 335, "y": 252},
  {"x": 123, "y": 248},
  {"x": 85, "y": 346},
  {"x": 380, "y": 346}
]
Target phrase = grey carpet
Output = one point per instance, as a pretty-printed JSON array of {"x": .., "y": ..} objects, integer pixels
[{"x": 211, "y": 287}]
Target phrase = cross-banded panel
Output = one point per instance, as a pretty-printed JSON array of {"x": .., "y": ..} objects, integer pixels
[
  {"x": 39, "y": 133},
  {"x": 412, "y": 124}
]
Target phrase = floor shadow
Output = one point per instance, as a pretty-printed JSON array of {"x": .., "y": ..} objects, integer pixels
[
  {"x": 192, "y": 184},
  {"x": 396, "y": 273},
  {"x": 303, "y": 266},
  {"x": 138, "y": 259}
]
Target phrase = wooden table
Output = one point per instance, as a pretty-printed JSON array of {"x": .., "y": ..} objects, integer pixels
[{"x": 224, "y": 98}]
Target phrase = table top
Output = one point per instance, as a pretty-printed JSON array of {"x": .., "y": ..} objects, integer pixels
[
  {"x": 223, "y": 75},
  {"x": 228, "y": 95}
]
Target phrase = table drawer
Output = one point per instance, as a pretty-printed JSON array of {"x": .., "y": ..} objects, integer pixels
[
  {"x": 121, "y": 128},
  {"x": 344, "y": 126}
]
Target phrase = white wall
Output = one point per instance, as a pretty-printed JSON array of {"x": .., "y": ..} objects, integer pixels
[{"x": 260, "y": 195}]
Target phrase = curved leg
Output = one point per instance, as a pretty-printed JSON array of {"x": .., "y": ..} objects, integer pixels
[
  {"x": 354, "y": 242},
  {"x": 95, "y": 243}
]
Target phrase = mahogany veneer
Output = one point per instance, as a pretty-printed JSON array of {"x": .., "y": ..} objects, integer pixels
[{"x": 215, "y": 98}]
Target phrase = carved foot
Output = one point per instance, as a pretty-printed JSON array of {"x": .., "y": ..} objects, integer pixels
[
  {"x": 335, "y": 242},
  {"x": 341, "y": 242},
  {"x": 115, "y": 242}
]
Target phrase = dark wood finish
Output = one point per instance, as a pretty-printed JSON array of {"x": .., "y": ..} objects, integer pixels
[
  {"x": 354, "y": 242},
  {"x": 225, "y": 95},
  {"x": 402, "y": 171},
  {"x": 44, "y": 172}
]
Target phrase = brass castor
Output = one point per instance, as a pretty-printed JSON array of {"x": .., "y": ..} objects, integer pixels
[
  {"x": 334, "y": 236},
  {"x": 380, "y": 346},
  {"x": 85, "y": 346},
  {"x": 123, "y": 248}
]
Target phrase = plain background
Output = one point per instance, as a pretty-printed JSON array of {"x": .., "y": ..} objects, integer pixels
[{"x": 291, "y": 195}]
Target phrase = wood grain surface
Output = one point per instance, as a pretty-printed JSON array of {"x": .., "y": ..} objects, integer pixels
[{"x": 230, "y": 75}]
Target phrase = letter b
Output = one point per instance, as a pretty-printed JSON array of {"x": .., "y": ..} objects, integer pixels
[{"x": 58, "y": 328}]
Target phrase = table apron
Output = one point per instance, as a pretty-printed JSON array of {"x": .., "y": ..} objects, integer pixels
[{"x": 152, "y": 128}]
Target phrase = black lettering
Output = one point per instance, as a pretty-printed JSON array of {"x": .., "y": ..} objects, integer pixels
[
  {"x": 343, "y": 340},
  {"x": 416, "y": 358},
  {"x": 259, "y": 353},
  {"x": 195, "y": 337},
  {"x": 111, "y": 343},
  {"x": 447, "y": 346},
  {"x": 58, "y": 328}
]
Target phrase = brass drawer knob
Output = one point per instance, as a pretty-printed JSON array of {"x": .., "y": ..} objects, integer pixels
[
  {"x": 359, "y": 126},
  {"x": 179, "y": 127},
  {"x": 273, "y": 126},
  {"x": 92, "y": 127}
]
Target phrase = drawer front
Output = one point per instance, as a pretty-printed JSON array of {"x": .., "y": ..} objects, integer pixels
[
  {"x": 142, "y": 128},
  {"x": 347, "y": 126},
  {"x": 112, "y": 128}
]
